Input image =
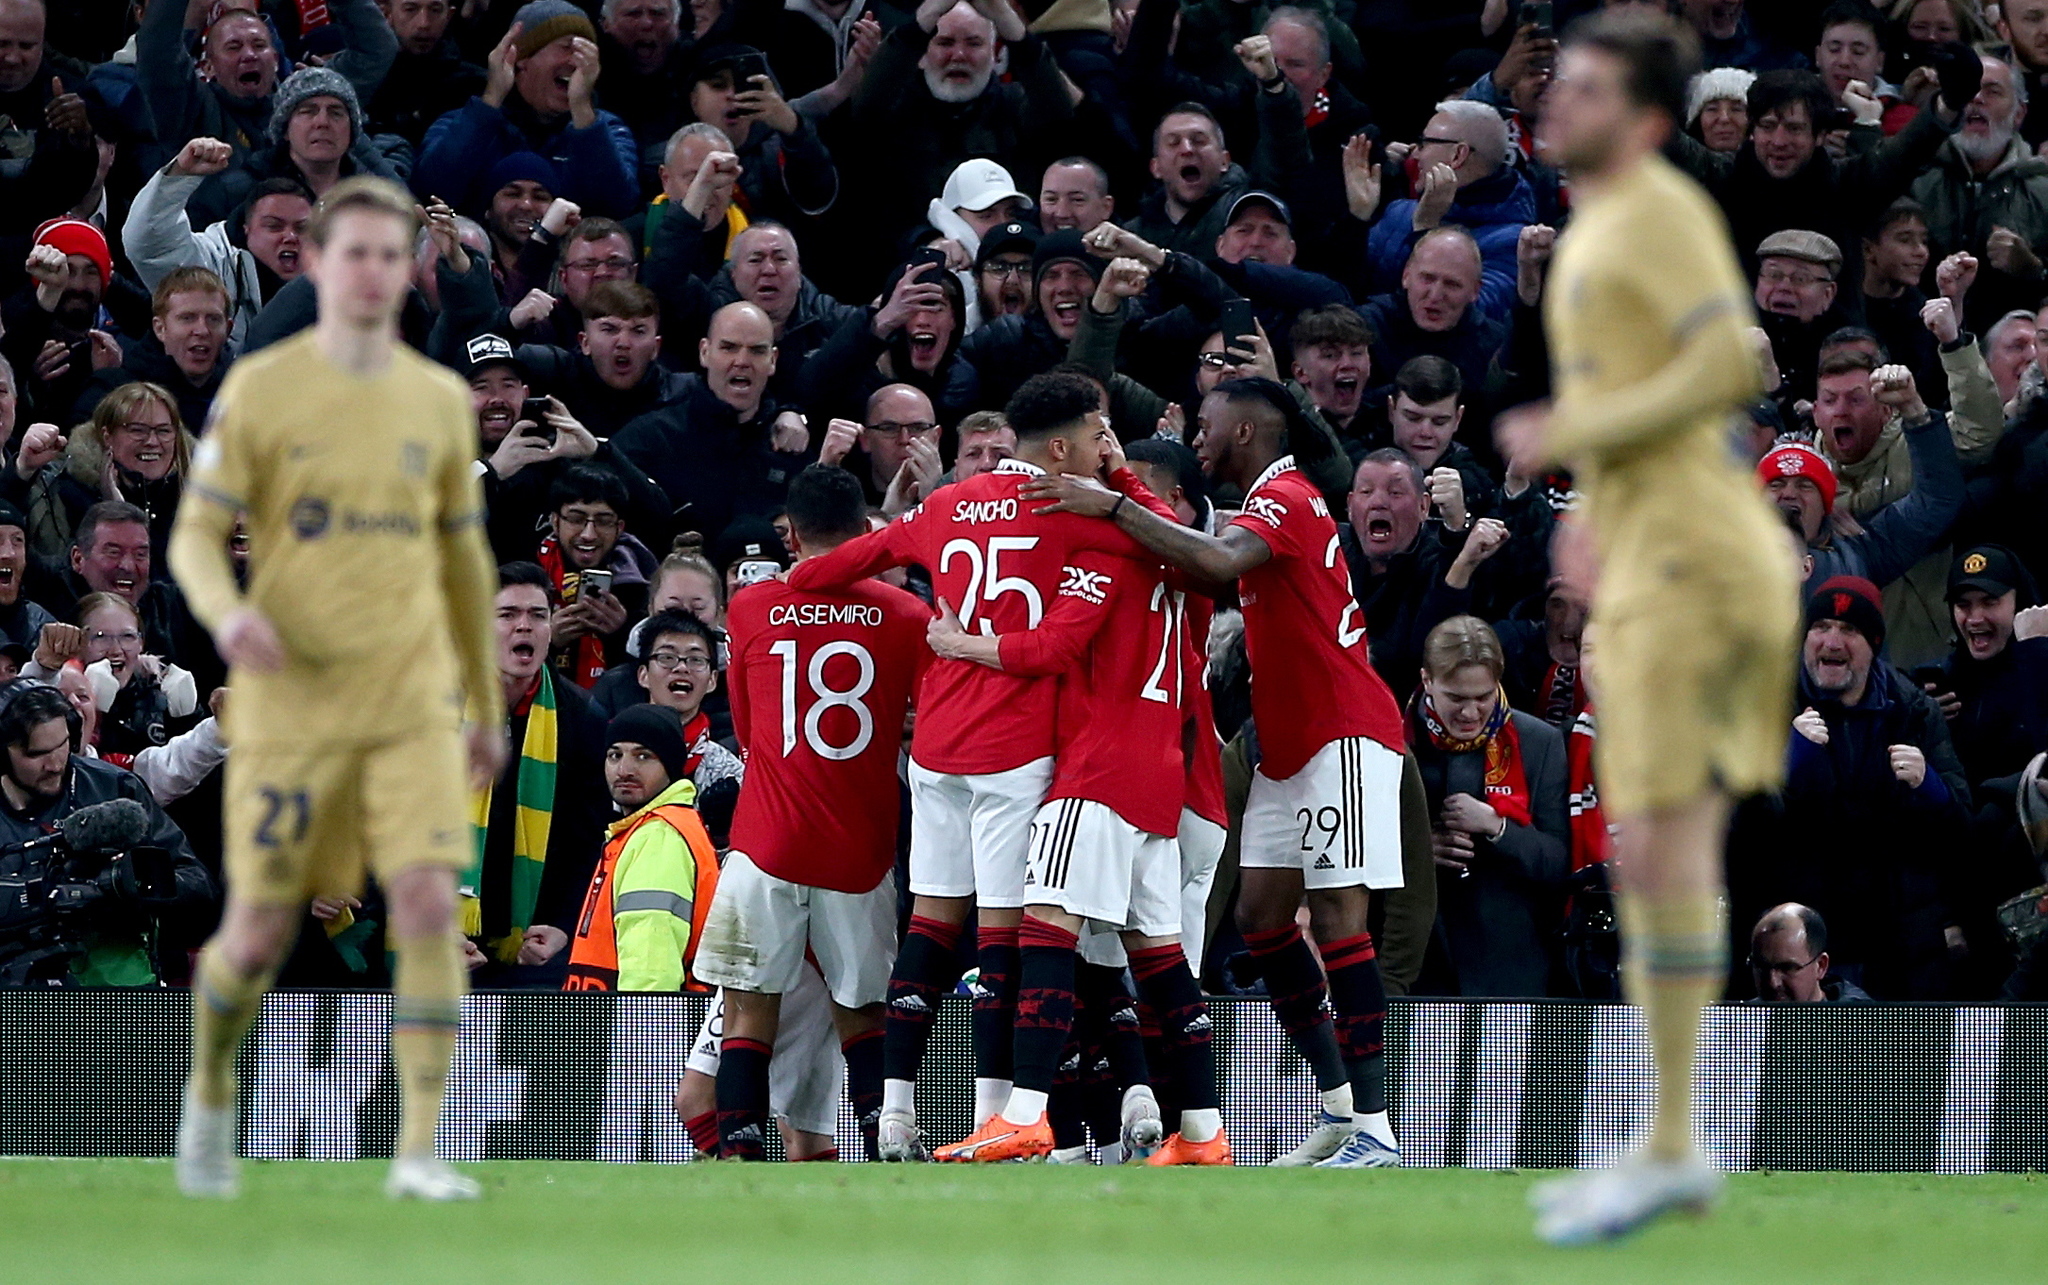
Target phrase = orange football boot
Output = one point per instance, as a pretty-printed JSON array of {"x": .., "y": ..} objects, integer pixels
[
  {"x": 1001, "y": 1140},
  {"x": 1177, "y": 1150}
]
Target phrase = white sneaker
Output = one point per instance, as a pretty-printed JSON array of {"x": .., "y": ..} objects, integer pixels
[
  {"x": 1142, "y": 1131},
  {"x": 428, "y": 1178},
  {"x": 1363, "y": 1151},
  {"x": 1611, "y": 1203},
  {"x": 1068, "y": 1156},
  {"x": 206, "y": 1151},
  {"x": 1330, "y": 1134},
  {"x": 898, "y": 1139}
]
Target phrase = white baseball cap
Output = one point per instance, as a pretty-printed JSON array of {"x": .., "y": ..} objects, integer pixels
[{"x": 978, "y": 184}]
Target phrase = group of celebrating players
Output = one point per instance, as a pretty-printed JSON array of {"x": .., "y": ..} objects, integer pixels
[
  {"x": 1062, "y": 769},
  {"x": 1065, "y": 786}
]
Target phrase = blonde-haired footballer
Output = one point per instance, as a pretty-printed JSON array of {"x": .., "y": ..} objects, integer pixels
[
  {"x": 362, "y": 638},
  {"x": 1696, "y": 601}
]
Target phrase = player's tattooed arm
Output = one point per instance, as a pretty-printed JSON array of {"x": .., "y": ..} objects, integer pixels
[{"x": 1213, "y": 557}]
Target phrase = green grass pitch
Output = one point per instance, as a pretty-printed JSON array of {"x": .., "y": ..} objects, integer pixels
[{"x": 105, "y": 1221}]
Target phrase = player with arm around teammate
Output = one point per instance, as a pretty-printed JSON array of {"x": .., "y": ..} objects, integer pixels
[
  {"x": 981, "y": 757},
  {"x": 1323, "y": 814}
]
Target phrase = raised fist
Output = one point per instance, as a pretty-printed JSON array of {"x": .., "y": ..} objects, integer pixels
[{"x": 202, "y": 156}]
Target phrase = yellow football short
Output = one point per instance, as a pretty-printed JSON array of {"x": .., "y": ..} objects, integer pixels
[
  {"x": 308, "y": 820},
  {"x": 1693, "y": 690}
]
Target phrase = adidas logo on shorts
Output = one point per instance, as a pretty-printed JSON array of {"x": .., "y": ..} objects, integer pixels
[{"x": 1324, "y": 863}]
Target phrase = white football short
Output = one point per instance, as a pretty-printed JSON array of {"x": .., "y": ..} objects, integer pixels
[
  {"x": 968, "y": 834},
  {"x": 806, "y": 1073},
  {"x": 1201, "y": 847},
  {"x": 758, "y": 927},
  {"x": 1090, "y": 862},
  {"x": 1337, "y": 820}
]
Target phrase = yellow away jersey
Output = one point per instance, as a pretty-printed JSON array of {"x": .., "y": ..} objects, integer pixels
[
  {"x": 1645, "y": 271},
  {"x": 365, "y": 543}
]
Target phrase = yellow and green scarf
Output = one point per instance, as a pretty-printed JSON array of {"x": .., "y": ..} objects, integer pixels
[{"x": 532, "y": 820}]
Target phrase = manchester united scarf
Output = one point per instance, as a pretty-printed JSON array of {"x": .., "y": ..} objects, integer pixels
[{"x": 1507, "y": 781}]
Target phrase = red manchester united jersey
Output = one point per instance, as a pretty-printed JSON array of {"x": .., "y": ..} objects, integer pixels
[
  {"x": 819, "y": 683},
  {"x": 1311, "y": 679},
  {"x": 1000, "y": 565},
  {"x": 1116, "y": 634}
]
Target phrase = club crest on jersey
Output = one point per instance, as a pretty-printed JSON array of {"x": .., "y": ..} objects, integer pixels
[
  {"x": 1088, "y": 586},
  {"x": 1266, "y": 509}
]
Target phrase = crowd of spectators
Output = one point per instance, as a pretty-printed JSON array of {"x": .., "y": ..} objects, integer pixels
[{"x": 679, "y": 252}]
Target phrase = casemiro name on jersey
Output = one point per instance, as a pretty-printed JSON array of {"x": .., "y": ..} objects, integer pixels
[{"x": 825, "y": 613}]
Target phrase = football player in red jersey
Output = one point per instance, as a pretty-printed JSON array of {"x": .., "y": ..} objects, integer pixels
[
  {"x": 1323, "y": 815},
  {"x": 981, "y": 754},
  {"x": 1171, "y": 472},
  {"x": 820, "y": 682},
  {"x": 1103, "y": 848}
]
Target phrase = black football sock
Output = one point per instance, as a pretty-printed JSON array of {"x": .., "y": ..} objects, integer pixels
[
  {"x": 1360, "y": 998},
  {"x": 863, "y": 1054},
  {"x": 1169, "y": 988},
  {"x": 995, "y": 1004},
  {"x": 1045, "y": 1004},
  {"x": 743, "y": 1099},
  {"x": 918, "y": 982},
  {"x": 1295, "y": 986}
]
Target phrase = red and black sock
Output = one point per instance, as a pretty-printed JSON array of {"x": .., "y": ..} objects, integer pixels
[
  {"x": 1158, "y": 1065},
  {"x": 925, "y": 971},
  {"x": 1045, "y": 1002},
  {"x": 1360, "y": 998},
  {"x": 743, "y": 1099},
  {"x": 1101, "y": 990},
  {"x": 1300, "y": 1000},
  {"x": 1169, "y": 988},
  {"x": 863, "y": 1054},
  {"x": 995, "y": 1004},
  {"x": 703, "y": 1129}
]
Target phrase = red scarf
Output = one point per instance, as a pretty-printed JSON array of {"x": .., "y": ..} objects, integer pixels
[
  {"x": 696, "y": 733},
  {"x": 586, "y": 656},
  {"x": 1590, "y": 839},
  {"x": 1563, "y": 695},
  {"x": 1507, "y": 781},
  {"x": 1319, "y": 110}
]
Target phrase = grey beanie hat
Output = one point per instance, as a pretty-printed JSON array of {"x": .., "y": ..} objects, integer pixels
[{"x": 312, "y": 82}]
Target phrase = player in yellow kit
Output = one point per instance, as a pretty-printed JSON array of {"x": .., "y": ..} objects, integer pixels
[
  {"x": 1696, "y": 598},
  {"x": 363, "y": 637}
]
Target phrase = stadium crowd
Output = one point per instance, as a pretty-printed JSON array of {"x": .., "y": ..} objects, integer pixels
[{"x": 681, "y": 252}]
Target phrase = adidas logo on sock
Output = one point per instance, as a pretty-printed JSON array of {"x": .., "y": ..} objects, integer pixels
[
  {"x": 912, "y": 1003},
  {"x": 1073, "y": 1063},
  {"x": 1200, "y": 1026},
  {"x": 1324, "y": 863},
  {"x": 978, "y": 991},
  {"x": 1126, "y": 1016},
  {"x": 752, "y": 1133}
]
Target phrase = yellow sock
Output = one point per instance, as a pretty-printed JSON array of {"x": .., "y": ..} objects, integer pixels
[
  {"x": 1677, "y": 963},
  {"x": 224, "y": 1007},
  {"x": 426, "y": 1007}
]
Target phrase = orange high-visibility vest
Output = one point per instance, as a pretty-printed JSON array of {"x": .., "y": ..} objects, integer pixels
[{"x": 594, "y": 947}]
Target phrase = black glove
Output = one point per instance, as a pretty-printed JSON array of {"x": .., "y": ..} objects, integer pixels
[{"x": 1960, "y": 71}]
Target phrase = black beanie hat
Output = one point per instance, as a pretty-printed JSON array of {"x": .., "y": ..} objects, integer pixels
[
  {"x": 1065, "y": 244},
  {"x": 659, "y": 729},
  {"x": 1855, "y": 602}
]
